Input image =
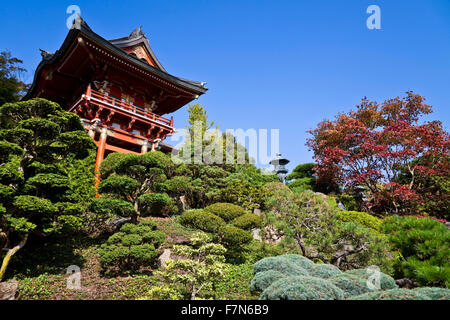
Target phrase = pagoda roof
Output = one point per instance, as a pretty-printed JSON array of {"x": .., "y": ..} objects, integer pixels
[{"x": 189, "y": 88}]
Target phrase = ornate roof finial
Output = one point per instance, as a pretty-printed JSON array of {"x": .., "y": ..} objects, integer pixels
[
  {"x": 45, "y": 54},
  {"x": 136, "y": 33}
]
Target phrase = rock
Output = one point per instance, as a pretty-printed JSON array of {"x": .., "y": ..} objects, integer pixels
[
  {"x": 406, "y": 283},
  {"x": 257, "y": 211},
  {"x": 182, "y": 204},
  {"x": 164, "y": 257},
  {"x": 115, "y": 224},
  {"x": 9, "y": 290},
  {"x": 255, "y": 233}
]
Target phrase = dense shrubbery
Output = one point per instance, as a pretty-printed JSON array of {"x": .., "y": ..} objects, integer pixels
[
  {"x": 45, "y": 172},
  {"x": 135, "y": 246},
  {"x": 423, "y": 244},
  {"x": 324, "y": 271},
  {"x": 248, "y": 221},
  {"x": 234, "y": 238},
  {"x": 393, "y": 294},
  {"x": 302, "y": 288},
  {"x": 202, "y": 220},
  {"x": 284, "y": 266},
  {"x": 311, "y": 220},
  {"x": 363, "y": 218},
  {"x": 227, "y": 211},
  {"x": 295, "y": 277}
]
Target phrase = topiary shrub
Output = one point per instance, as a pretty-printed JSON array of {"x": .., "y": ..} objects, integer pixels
[
  {"x": 434, "y": 293},
  {"x": 135, "y": 246},
  {"x": 393, "y": 294},
  {"x": 324, "y": 271},
  {"x": 157, "y": 204},
  {"x": 201, "y": 219},
  {"x": 351, "y": 285},
  {"x": 264, "y": 279},
  {"x": 386, "y": 281},
  {"x": 363, "y": 218},
  {"x": 227, "y": 211},
  {"x": 299, "y": 260},
  {"x": 248, "y": 221},
  {"x": 302, "y": 288},
  {"x": 233, "y": 237},
  {"x": 279, "y": 264}
]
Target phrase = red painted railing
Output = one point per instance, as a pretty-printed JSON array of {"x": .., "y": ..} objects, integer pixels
[{"x": 117, "y": 103}]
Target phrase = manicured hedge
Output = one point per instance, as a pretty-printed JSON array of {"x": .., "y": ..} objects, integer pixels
[
  {"x": 386, "y": 281},
  {"x": 135, "y": 246},
  {"x": 227, "y": 211},
  {"x": 363, "y": 218},
  {"x": 248, "y": 221},
  {"x": 201, "y": 219},
  {"x": 233, "y": 237}
]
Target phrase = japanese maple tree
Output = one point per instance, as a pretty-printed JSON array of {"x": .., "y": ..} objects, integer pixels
[{"x": 385, "y": 152}]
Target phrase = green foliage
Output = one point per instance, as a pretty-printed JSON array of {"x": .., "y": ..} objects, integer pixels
[
  {"x": 157, "y": 204},
  {"x": 226, "y": 211},
  {"x": 386, "y": 281},
  {"x": 131, "y": 248},
  {"x": 302, "y": 288},
  {"x": 350, "y": 284},
  {"x": 11, "y": 87},
  {"x": 248, "y": 221},
  {"x": 264, "y": 279},
  {"x": 281, "y": 265},
  {"x": 363, "y": 218},
  {"x": 233, "y": 238},
  {"x": 203, "y": 268},
  {"x": 310, "y": 220},
  {"x": 298, "y": 260},
  {"x": 393, "y": 294},
  {"x": 324, "y": 271},
  {"x": 243, "y": 193},
  {"x": 135, "y": 178},
  {"x": 201, "y": 219},
  {"x": 424, "y": 245},
  {"x": 434, "y": 293}
]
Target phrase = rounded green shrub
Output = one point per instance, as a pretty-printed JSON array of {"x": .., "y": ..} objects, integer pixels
[
  {"x": 148, "y": 223},
  {"x": 302, "y": 288},
  {"x": 156, "y": 237},
  {"x": 299, "y": 260},
  {"x": 248, "y": 221},
  {"x": 386, "y": 281},
  {"x": 227, "y": 211},
  {"x": 133, "y": 247},
  {"x": 393, "y": 294},
  {"x": 434, "y": 293},
  {"x": 279, "y": 264},
  {"x": 201, "y": 219},
  {"x": 324, "y": 271},
  {"x": 263, "y": 280},
  {"x": 157, "y": 204},
  {"x": 351, "y": 285},
  {"x": 233, "y": 237},
  {"x": 363, "y": 218}
]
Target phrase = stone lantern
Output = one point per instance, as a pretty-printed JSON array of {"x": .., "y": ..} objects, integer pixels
[{"x": 279, "y": 164}]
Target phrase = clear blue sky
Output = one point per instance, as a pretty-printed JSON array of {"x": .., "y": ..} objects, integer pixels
[{"x": 268, "y": 64}]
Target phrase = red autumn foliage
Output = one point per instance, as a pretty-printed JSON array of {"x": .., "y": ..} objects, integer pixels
[{"x": 384, "y": 150}]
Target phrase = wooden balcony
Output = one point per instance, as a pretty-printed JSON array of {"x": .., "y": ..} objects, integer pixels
[{"x": 102, "y": 101}]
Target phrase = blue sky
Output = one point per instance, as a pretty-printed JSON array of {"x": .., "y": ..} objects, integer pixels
[{"x": 268, "y": 64}]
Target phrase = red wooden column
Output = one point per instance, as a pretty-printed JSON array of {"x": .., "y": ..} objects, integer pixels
[{"x": 100, "y": 156}]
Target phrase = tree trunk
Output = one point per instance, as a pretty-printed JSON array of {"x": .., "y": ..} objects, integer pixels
[{"x": 10, "y": 253}]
